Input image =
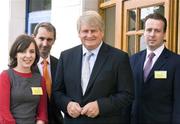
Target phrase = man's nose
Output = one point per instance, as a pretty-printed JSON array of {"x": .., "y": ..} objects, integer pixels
[
  {"x": 152, "y": 33},
  {"x": 89, "y": 34},
  {"x": 45, "y": 42}
]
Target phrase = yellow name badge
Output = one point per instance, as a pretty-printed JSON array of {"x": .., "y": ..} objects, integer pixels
[
  {"x": 37, "y": 91},
  {"x": 160, "y": 74}
]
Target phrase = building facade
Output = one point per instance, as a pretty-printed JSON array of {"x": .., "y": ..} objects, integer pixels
[{"x": 124, "y": 22}]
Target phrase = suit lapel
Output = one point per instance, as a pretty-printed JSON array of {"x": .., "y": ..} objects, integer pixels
[
  {"x": 102, "y": 56},
  {"x": 53, "y": 66},
  {"x": 77, "y": 62},
  {"x": 141, "y": 64}
]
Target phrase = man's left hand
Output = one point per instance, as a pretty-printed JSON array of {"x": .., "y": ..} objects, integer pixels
[{"x": 91, "y": 109}]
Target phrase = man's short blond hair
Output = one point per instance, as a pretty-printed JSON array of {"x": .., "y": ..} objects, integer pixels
[{"x": 91, "y": 18}]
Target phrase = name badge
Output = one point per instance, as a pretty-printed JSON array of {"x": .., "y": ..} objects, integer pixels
[
  {"x": 160, "y": 74},
  {"x": 37, "y": 91}
]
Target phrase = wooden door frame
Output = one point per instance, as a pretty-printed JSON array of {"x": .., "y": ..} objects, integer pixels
[{"x": 171, "y": 14}]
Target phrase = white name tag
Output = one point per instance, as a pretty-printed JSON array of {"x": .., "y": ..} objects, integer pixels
[
  {"x": 37, "y": 91},
  {"x": 160, "y": 74}
]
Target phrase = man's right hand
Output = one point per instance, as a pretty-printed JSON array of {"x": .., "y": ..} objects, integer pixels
[{"x": 74, "y": 109}]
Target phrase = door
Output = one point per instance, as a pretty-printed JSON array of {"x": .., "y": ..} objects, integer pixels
[{"x": 134, "y": 14}]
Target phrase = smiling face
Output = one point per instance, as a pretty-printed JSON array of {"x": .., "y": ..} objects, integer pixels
[
  {"x": 154, "y": 33},
  {"x": 90, "y": 27},
  {"x": 91, "y": 36},
  {"x": 26, "y": 58}
]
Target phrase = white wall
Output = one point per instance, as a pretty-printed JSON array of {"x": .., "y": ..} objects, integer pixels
[
  {"x": 64, "y": 15},
  {"x": 17, "y": 19},
  {"x": 12, "y": 24},
  {"x": 4, "y": 21},
  {"x": 90, "y": 5}
]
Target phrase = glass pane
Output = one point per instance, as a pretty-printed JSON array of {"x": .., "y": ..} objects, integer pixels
[
  {"x": 131, "y": 45},
  {"x": 142, "y": 42},
  {"x": 110, "y": 25},
  {"x": 132, "y": 20},
  {"x": 33, "y": 25},
  {"x": 36, "y": 5},
  {"x": 149, "y": 10}
]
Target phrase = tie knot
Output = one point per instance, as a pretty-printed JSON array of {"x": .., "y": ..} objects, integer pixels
[
  {"x": 88, "y": 55},
  {"x": 45, "y": 62},
  {"x": 151, "y": 55}
]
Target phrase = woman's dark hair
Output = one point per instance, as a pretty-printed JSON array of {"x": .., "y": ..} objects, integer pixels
[{"x": 21, "y": 43}]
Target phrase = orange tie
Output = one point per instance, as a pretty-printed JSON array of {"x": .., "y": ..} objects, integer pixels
[{"x": 47, "y": 77}]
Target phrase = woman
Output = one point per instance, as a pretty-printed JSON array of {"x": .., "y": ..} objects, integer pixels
[{"x": 22, "y": 92}]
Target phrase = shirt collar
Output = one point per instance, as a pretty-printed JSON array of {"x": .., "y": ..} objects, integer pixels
[
  {"x": 94, "y": 51},
  {"x": 157, "y": 52},
  {"x": 41, "y": 59}
]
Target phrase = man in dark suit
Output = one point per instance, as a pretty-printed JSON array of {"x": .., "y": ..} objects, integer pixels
[
  {"x": 157, "y": 98},
  {"x": 99, "y": 93},
  {"x": 45, "y": 36}
]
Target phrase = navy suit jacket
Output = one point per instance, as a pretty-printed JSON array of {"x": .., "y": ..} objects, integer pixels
[
  {"x": 54, "y": 114},
  {"x": 111, "y": 84},
  {"x": 157, "y": 101}
]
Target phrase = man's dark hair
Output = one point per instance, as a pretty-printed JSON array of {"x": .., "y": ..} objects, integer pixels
[
  {"x": 157, "y": 16},
  {"x": 48, "y": 26}
]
